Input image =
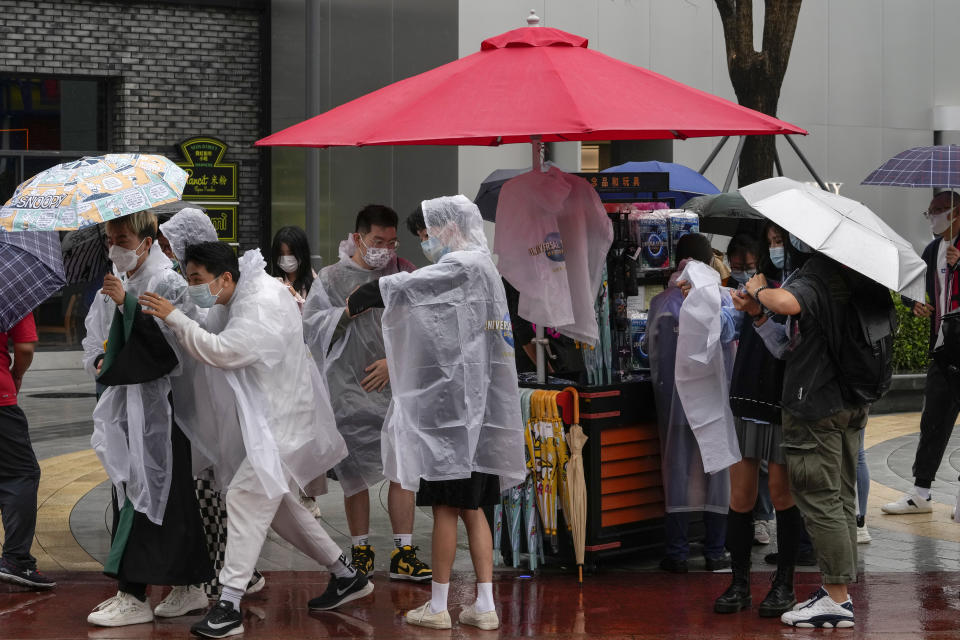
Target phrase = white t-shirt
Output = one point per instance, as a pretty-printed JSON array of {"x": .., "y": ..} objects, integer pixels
[{"x": 941, "y": 283}]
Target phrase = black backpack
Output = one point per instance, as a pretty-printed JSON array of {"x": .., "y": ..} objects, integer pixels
[{"x": 864, "y": 355}]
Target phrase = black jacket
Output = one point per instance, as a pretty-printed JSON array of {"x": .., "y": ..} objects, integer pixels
[{"x": 930, "y": 257}]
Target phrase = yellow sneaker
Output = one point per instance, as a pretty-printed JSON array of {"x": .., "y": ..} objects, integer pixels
[
  {"x": 362, "y": 556},
  {"x": 405, "y": 565}
]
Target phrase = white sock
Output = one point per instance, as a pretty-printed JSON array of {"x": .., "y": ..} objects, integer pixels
[
  {"x": 484, "y": 597},
  {"x": 438, "y": 596},
  {"x": 402, "y": 539},
  {"x": 361, "y": 541},
  {"x": 231, "y": 595},
  {"x": 341, "y": 568},
  {"x": 923, "y": 492}
]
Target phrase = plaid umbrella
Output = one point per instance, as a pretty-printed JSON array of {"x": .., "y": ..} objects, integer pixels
[
  {"x": 31, "y": 271},
  {"x": 93, "y": 189},
  {"x": 937, "y": 166}
]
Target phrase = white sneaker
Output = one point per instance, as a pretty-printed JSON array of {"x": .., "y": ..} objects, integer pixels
[
  {"x": 956, "y": 509},
  {"x": 311, "y": 505},
  {"x": 761, "y": 535},
  {"x": 909, "y": 502},
  {"x": 423, "y": 617},
  {"x": 488, "y": 620},
  {"x": 257, "y": 582},
  {"x": 121, "y": 610},
  {"x": 180, "y": 601},
  {"x": 863, "y": 536},
  {"x": 820, "y": 612}
]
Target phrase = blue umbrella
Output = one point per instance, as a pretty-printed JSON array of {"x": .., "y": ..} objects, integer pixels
[
  {"x": 936, "y": 166},
  {"x": 31, "y": 270},
  {"x": 685, "y": 183}
]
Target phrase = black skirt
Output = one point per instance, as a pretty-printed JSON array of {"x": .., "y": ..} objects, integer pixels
[{"x": 479, "y": 490}]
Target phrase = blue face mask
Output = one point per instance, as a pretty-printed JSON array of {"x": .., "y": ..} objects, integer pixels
[
  {"x": 202, "y": 296},
  {"x": 800, "y": 245},
  {"x": 433, "y": 250},
  {"x": 743, "y": 276},
  {"x": 776, "y": 257}
]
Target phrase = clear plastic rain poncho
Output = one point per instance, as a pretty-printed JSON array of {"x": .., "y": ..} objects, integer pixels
[
  {"x": 449, "y": 342},
  {"x": 186, "y": 227},
  {"x": 344, "y": 348},
  {"x": 131, "y": 423},
  {"x": 265, "y": 388},
  {"x": 686, "y": 486}
]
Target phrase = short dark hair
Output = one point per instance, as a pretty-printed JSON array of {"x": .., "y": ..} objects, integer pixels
[
  {"x": 742, "y": 244},
  {"x": 216, "y": 257},
  {"x": 696, "y": 246},
  {"x": 299, "y": 245},
  {"x": 376, "y": 214},
  {"x": 415, "y": 221}
]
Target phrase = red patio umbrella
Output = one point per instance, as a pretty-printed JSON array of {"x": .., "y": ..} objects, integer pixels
[{"x": 527, "y": 85}]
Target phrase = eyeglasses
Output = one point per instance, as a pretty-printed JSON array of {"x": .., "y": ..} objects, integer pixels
[
  {"x": 393, "y": 244},
  {"x": 937, "y": 212}
]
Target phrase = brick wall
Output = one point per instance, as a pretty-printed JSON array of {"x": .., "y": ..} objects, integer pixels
[{"x": 177, "y": 71}]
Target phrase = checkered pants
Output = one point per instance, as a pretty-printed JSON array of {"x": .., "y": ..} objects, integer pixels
[{"x": 213, "y": 511}]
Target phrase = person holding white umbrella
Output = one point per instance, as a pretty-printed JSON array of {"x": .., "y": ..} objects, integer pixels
[{"x": 836, "y": 299}]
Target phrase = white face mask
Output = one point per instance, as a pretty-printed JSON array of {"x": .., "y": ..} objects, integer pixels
[
  {"x": 289, "y": 264},
  {"x": 939, "y": 222},
  {"x": 125, "y": 259},
  {"x": 377, "y": 258}
]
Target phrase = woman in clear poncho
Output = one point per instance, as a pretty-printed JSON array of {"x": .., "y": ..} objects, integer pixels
[{"x": 455, "y": 398}]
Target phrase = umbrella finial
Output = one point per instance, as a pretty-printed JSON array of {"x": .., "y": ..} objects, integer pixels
[{"x": 533, "y": 20}]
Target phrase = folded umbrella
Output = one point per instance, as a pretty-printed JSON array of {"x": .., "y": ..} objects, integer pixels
[
  {"x": 31, "y": 270},
  {"x": 842, "y": 229}
]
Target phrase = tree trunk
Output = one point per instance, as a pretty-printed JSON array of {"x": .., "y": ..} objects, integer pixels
[{"x": 758, "y": 75}]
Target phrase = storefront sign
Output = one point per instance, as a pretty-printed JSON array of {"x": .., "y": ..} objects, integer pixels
[
  {"x": 641, "y": 182},
  {"x": 208, "y": 177},
  {"x": 224, "y": 219}
]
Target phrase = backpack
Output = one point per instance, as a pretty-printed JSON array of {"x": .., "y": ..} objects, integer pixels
[{"x": 864, "y": 356}]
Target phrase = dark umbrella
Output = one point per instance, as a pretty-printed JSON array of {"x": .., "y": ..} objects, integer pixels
[
  {"x": 31, "y": 270},
  {"x": 936, "y": 166},
  {"x": 724, "y": 213},
  {"x": 489, "y": 193}
]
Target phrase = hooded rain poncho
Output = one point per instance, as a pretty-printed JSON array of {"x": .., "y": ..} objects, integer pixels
[
  {"x": 344, "y": 348},
  {"x": 449, "y": 344}
]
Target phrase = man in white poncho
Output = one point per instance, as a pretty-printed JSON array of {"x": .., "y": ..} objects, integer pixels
[
  {"x": 455, "y": 398},
  {"x": 157, "y": 531},
  {"x": 253, "y": 333},
  {"x": 351, "y": 355}
]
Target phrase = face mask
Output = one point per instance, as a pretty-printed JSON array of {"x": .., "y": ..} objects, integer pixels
[
  {"x": 125, "y": 259},
  {"x": 939, "y": 222},
  {"x": 743, "y": 276},
  {"x": 289, "y": 264},
  {"x": 433, "y": 249},
  {"x": 776, "y": 257},
  {"x": 800, "y": 245},
  {"x": 377, "y": 258},
  {"x": 202, "y": 296}
]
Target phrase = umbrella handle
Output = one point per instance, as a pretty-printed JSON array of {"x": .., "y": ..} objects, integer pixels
[{"x": 576, "y": 404}]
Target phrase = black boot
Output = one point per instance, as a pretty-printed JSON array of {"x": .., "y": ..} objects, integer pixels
[
  {"x": 781, "y": 597},
  {"x": 739, "y": 541}
]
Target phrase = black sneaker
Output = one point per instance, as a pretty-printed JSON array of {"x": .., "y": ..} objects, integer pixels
[
  {"x": 341, "y": 591},
  {"x": 361, "y": 558},
  {"x": 717, "y": 564},
  {"x": 221, "y": 621},
  {"x": 405, "y": 565},
  {"x": 673, "y": 565},
  {"x": 32, "y": 578}
]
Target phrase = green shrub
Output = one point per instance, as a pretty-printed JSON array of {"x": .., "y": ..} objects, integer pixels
[{"x": 910, "y": 348}]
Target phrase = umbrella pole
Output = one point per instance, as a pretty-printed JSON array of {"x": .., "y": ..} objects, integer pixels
[
  {"x": 734, "y": 164},
  {"x": 713, "y": 154},
  {"x": 806, "y": 162},
  {"x": 540, "y": 340}
]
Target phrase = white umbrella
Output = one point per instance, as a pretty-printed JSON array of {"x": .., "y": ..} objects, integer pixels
[{"x": 843, "y": 229}]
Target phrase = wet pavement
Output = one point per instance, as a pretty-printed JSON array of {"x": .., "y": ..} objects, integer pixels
[{"x": 910, "y": 584}]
